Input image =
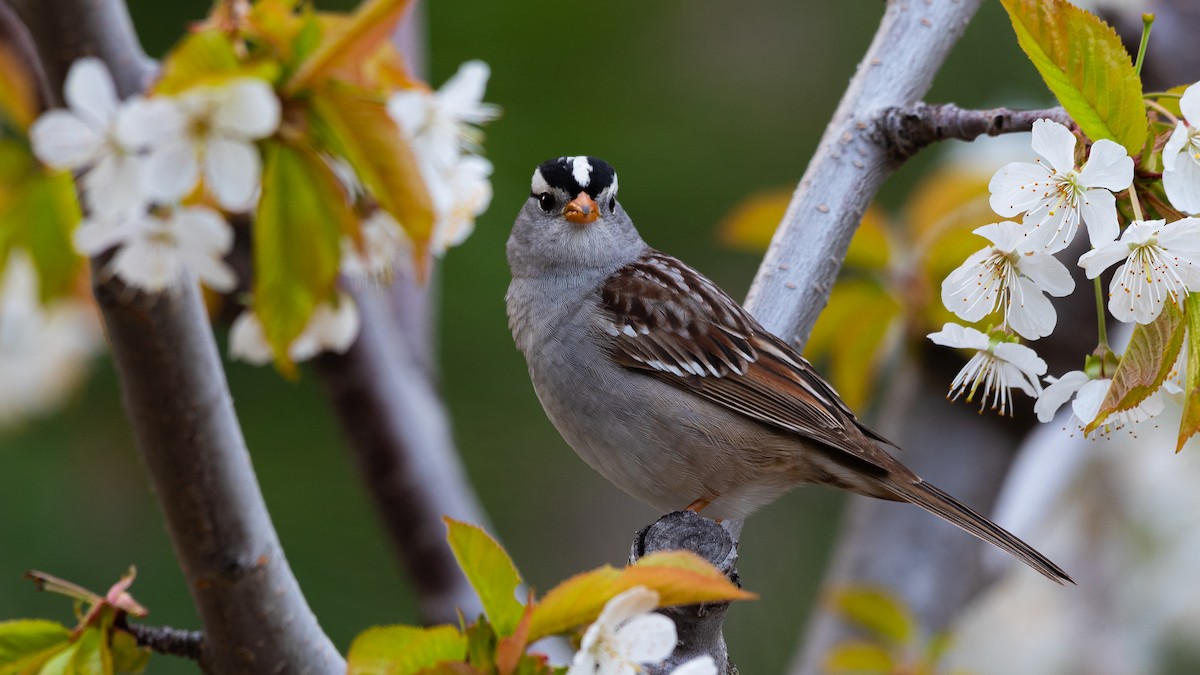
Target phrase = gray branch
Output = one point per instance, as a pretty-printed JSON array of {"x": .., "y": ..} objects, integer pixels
[
  {"x": 904, "y": 131},
  {"x": 254, "y": 615}
]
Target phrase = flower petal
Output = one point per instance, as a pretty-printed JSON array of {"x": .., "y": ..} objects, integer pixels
[
  {"x": 1058, "y": 393},
  {"x": 90, "y": 93},
  {"x": 232, "y": 170},
  {"x": 150, "y": 122},
  {"x": 1047, "y": 272},
  {"x": 1022, "y": 358},
  {"x": 1029, "y": 312},
  {"x": 247, "y": 341},
  {"x": 1108, "y": 166},
  {"x": 1183, "y": 183},
  {"x": 63, "y": 141},
  {"x": 460, "y": 96},
  {"x": 959, "y": 337},
  {"x": 1176, "y": 142},
  {"x": 1056, "y": 143},
  {"x": 1087, "y": 402},
  {"x": 148, "y": 264},
  {"x": 170, "y": 171},
  {"x": 1016, "y": 187},
  {"x": 1189, "y": 105},
  {"x": 113, "y": 187},
  {"x": 1098, "y": 210},
  {"x": 971, "y": 291},
  {"x": 701, "y": 665},
  {"x": 628, "y": 604},
  {"x": 248, "y": 110},
  {"x": 94, "y": 237},
  {"x": 1097, "y": 260},
  {"x": 648, "y": 638}
]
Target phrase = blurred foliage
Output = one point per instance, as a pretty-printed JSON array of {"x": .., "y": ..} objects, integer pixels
[
  {"x": 697, "y": 104},
  {"x": 892, "y": 643}
]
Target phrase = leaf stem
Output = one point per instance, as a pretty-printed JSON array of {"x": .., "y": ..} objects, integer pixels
[
  {"x": 1147, "y": 23},
  {"x": 1101, "y": 327}
]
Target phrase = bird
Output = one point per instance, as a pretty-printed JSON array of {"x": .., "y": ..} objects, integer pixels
[{"x": 666, "y": 386}]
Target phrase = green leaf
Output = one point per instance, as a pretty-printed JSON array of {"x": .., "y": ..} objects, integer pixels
[
  {"x": 1148, "y": 360},
  {"x": 851, "y": 334},
  {"x": 38, "y": 214},
  {"x": 1190, "y": 423},
  {"x": 297, "y": 232},
  {"x": 25, "y": 644},
  {"x": 481, "y": 645},
  {"x": 1082, "y": 60},
  {"x": 876, "y": 611},
  {"x": 127, "y": 656},
  {"x": 61, "y": 663},
  {"x": 92, "y": 657},
  {"x": 858, "y": 657},
  {"x": 491, "y": 573},
  {"x": 354, "y": 123},
  {"x": 404, "y": 650},
  {"x": 203, "y": 57},
  {"x": 679, "y": 577}
]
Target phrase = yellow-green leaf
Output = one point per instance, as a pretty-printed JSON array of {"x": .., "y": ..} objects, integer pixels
[
  {"x": 404, "y": 650},
  {"x": 850, "y": 335},
  {"x": 38, "y": 214},
  {"x": 349, "y": 44},
  {"x": 201, "y": 57},
  {"x": 127, "y": 656},
  {"x": 1082, "y": 60},
  {"x": 490, "y": 572},
  {"x": 297, "y": 232},
  {"x": 27, "y": 643},
  {"x": 354, "y": 123},
  {"x": 1147, "y": 362},
  {"x": 92, "y": 657},
  {"x": 679, "y": 577},
  {"x": 876, "y": 611},
  {"x": 861, "y": 658},
  {"x": 61, "y": 662},
  {"x": 1190, "y": 424}
]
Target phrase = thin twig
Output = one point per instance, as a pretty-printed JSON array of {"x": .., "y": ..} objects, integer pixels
[
  {"x": 905, "y": 130},
  {"x": 187, "y": 644}
]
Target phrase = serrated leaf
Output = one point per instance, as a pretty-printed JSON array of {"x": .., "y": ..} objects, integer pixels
[
  {"x": 38, "y": 214},
  {"x": 127, "y": 656},
  {"x": 349, "y": 44},
  {"x": 490, "y": 572},
  {"x": 404, "y": 650},
  {"x": 1084, "y": 64},
  {"x": 297, "y": 232},
  {"x": 858, "y": 657},
  {"x": 679, "y": 577},
  {"x": 1148, "y": 360},
  {"x": 27, "y": 643},
  {"x": 354, "y": 123},
  {"x": 201, "y": 57},
  {"x": 1190, "y": 424},
  {"x": 876, "y": 611}
]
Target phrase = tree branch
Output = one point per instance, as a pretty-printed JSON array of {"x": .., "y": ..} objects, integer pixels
[
  {"x": 255, "y": 617},
  {"x": 187, "y": 644},
  {"x": 904, "y": 131}
]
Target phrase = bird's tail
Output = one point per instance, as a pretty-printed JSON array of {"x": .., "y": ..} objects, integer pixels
[{"x": 950, "y": 509}]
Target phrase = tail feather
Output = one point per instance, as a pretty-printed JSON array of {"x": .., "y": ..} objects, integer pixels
[{"x": 950, "y": 509}]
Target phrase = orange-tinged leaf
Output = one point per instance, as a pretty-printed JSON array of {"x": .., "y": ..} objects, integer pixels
[
  {"x": 297, "y": 231},
  {"x": 404, "y": 650},
  {"x": 851, "y": 334},
  {"x": 1145, "y": 365},
  {"x": 490, "y": 571},
  {"x": 511, "y": 648},
  {"x": 1190, "y": 424},
  {"x": 858, "y": 657},
  {"x": 1084, "y": 63},
  {"x": 679, "y": 577},
  {"x": 349, "y": 44},
  {"x": 752, "y": 222},
  {"x": 944, "y": 209},
  {"x": 355, "y": 125},
  {"x": 18, "y": 99},
  {"x": 876, "y": 611}
]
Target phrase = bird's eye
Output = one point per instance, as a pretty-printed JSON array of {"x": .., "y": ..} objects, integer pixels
[
  {"x": 546, "y": 201},
  {"x": 612, "y": 204}
]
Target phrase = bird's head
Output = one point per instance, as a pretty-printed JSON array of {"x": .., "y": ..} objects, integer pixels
[{"x": 572, "y": 218}]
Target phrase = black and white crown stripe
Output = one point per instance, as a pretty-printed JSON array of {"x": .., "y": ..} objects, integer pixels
[{"x": 575, "y": 174}]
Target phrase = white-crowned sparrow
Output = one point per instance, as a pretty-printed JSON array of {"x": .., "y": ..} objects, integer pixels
[{"x": 667, "y": 387}]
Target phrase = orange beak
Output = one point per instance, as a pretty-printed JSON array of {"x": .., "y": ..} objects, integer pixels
[{"x": 581, "y": 210}]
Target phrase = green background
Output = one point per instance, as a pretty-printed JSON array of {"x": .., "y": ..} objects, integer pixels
[{"x": 697, "y": 105}]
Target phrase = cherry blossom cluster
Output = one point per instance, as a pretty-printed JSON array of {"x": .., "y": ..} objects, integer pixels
[
  {"x": 1009, "y": 280},
  {"x": 155, "y": 174}
]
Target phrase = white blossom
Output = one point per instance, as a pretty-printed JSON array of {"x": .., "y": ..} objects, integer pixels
[
  {"x": 332, "y": 328},
  {"x": 999, "y": 366},
  {"x": 459, "y": 195},
  {"x": 1089, "y": 393},
  {"x": 441, "y": 124},
  {"x": 44, "y": 350},
  {"x": 1055, "y": 196},
  {"x": 626, "y": 635},
  {"x": 1011, "y": 275},
  {"x": 212, "y": 134},
  {"x": 94, "y": 135},
  {"x": 701, "y": 665},
  {"x": 158, "y": 252},
  {"x": 1159, "y": 261},
  {"x": 1181, "y": 155},
  {"x": 385, "y": 247}
]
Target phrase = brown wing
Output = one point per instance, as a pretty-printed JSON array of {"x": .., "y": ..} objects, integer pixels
[{"x": 666, "y": 318}]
